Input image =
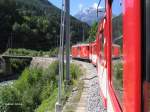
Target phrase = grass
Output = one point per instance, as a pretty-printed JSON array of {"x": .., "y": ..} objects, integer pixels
[
  {"x": 76, "y": 98},
  {"x": 48, "y": 105},
  {"x": 36, "y": 90}
]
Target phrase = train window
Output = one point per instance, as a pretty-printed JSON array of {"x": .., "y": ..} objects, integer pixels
[
  {"x": 146, "y": 54},
  {"x": 102, "y": 45},
  {"x": 117, "y": 65}
]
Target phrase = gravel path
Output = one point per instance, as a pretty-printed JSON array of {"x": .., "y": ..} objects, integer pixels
[{"x": 90, "y": 100}]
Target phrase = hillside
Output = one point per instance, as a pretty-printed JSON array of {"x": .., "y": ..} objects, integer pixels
[
  {"x": 33, "y": 24},
  {"x": 117, "y": 29},
  {"x": 117, "y": 26}
]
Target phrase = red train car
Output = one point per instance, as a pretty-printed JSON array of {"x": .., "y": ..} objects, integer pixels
[
  {"x": 93, "y": 53},
  {"x": 115, "y": 51},
  {"x": 124, "y": 83},
  {"x": 84, "y": 51},
  {"x": 75, "y": 51},
  {"x": 80, "y": 51}
]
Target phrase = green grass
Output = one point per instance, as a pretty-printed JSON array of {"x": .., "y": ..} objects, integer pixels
[
  {"x": 118, "y": 75},
  {"x": 48, "y": 105},
  {"x": 76, "y": 98},
  {"x": 36, "y": 89}
]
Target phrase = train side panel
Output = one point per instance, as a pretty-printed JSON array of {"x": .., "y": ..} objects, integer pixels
[
  {"x": 84, "y": 51},
  {"x": 93, "y": 54}
]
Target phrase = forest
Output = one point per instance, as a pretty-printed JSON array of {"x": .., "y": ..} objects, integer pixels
[{"x": 35, "y": 25}]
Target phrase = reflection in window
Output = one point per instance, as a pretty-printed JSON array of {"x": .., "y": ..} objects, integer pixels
[
  {"x": 102, "y": 45},
  {"x": 117, "y": 65}
]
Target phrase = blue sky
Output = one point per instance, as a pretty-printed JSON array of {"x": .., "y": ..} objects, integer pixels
[{"x": 77, "y": 5}]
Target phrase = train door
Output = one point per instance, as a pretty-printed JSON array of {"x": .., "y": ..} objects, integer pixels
[{"x": 146, "y": 55}]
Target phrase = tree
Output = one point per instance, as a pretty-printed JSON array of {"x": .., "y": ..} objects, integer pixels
[{"x": 92, "y": 32}]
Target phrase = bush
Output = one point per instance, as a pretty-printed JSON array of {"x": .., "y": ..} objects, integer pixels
[
  {"x": 118, "y": 80},
  {"x": 48, "y": 105},
  {"x": 75, "y": 71},
  {"x": 10, "y": 100},
  {"x": 18, "y": 65},
  {"x": 36, "y": 89}
]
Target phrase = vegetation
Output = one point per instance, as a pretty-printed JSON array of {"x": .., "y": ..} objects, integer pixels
[
  {"x": 71, "y": 107},
  {"x": 118, "y": 75},
  {"x": 92, "y": 32},
  {"x": 33, "y": 53},
  {"x": 117, "y": 26},
  {"x": 35, "y": 90},
  {"x": 33, "y": 24},
  {"x": 18, "y": 65}
]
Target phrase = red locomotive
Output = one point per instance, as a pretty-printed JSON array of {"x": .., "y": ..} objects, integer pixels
[{"x": 124, "y": 83}]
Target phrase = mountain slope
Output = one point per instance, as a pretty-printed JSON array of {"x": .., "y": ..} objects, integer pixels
[{"x": 33, "y": 24}]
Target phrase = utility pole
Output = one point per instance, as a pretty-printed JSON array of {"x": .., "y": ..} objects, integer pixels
[
  {"x": 67, "y": 23},
  {"x": 58, "y": 105}
]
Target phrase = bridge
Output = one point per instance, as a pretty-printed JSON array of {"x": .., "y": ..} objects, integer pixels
[
  {"x": 5, "y": 65},
  {"x": 16, "y": 57}
]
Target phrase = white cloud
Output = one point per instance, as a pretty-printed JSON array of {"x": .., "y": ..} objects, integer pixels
[
  {"x": 80, "y": 7},
  {"x": 95, "y": 5}
]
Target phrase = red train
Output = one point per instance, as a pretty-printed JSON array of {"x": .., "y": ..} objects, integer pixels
[
  {"x": 89, "y": 52},
  {"x": 80, "y": 51},
  {"x": 125, "y": 82}
]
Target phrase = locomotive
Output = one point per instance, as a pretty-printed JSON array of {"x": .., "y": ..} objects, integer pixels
[{"x": 123, "y": 32}]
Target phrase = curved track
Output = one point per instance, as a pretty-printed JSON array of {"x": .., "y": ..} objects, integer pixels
[{"x": 90, "y": 100}]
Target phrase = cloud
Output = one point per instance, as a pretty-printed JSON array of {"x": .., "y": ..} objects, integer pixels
[
  {"x": 95, "y": 5},
  {"x": 80, "y": 7}
]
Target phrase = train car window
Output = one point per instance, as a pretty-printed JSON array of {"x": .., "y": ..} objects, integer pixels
[
  {"x": 117, "y": 65},
  {"x": 146, "y": 54},
  {"x": 147, "y": 40},
  {"x": 102, "y": 45}
]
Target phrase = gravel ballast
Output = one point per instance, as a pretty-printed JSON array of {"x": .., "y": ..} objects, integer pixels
[{"x": 90, "y": 100}]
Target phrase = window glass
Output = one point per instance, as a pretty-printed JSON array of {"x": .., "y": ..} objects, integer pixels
[
  {"x": 102, "y": 45},
  {"x": 117, "y": 65}
]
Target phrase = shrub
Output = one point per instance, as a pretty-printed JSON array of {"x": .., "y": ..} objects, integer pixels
[
  {"x": 10, "y": 100},
  {"x": 118, "y": 74},
  {"x": 36, "y": 89},
  {"x": 18, "y": 65},
  {"x": 75, "y": 71}
]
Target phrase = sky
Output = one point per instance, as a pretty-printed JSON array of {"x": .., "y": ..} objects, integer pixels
[{"x": 77, "y": 5}]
